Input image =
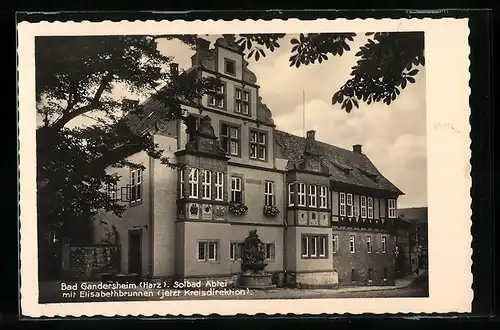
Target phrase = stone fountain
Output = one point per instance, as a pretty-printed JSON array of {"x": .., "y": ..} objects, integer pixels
[{"x": 253, "y": 265}]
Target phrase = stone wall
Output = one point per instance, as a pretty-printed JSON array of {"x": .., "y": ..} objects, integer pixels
[{"x": 90, "y": 262}]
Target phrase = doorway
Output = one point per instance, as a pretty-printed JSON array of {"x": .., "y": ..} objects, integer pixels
[{"x": 135, "y": 252}]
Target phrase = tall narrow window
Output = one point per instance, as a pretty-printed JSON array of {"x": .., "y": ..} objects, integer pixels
[
  {"x": 322, "y": 246},
  {"x": 136, "y": 185},
  {"x": 291, "y": 194},
  {"x": 363, "y": 206},
  {"x": 212, "y": 251},
  {"x": 242, "y": 101},
  {"x": 370, "y": 208},
  {"x": 236, "y": 190},
  {"x": 335, "y": 243},
  {"x": 369, "y": 244},
  {"x": 352, "y": 244},
  {"x": 235, "y": 251},
  {"x": 182, "y": 183},
  {"x": 301, "y": 194},
  {"x": 269, "y": 251},
  {"x": 349, "y": 205},
  {"x": 206, "y": 183},
  {"x": 193, "y": 183},
  {"x": 384, "y": 244},
  {"x": 218, "y": 99},
  {"x": 342, "y": 204},
  {"x": 305, "y": 246},
  {"x": 269, "y": 193},
  {"x": 313, "y": 245},
  {"x": 219, "y": 186},
  {"x": 230, "y": 139},
  {"x": 312, "y": 196},
  {"x": 258, "y": 145},
  {"x": 323, "y": 197},
  {"x": 392, "y": 208},
  {"x": 355, "y": 207}
]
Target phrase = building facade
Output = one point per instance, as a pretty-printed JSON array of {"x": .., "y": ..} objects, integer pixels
[
  {"x": 418, "y": 217},
  {"x": 325, "y": 214}
]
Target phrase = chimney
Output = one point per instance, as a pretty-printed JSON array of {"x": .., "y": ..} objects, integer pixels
[
  {"x": 202, "y": 44},
  {"x": 174, "y": 69},
  {"x": 357, "y": 148},
  {"x": 310, "y": 135}
]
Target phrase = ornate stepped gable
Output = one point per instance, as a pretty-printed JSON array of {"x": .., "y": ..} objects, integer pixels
[{"x": 344, "y": 166}]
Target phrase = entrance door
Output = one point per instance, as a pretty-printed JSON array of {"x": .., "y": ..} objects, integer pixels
[{"x": 134, "y": 252}]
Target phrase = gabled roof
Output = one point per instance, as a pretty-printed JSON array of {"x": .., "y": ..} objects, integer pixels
[{"x": 344, "y": 166}]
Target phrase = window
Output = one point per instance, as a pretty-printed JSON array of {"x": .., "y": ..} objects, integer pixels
[
  {"x": 258, "y": 145},
  {"x": 335, "y": 243},
  {"x": 242, "y": 101},
  {"x": 363, "y": 206},
  {"x": 269, "y": 251},
  {"x": 314, "y": 246},
  {"x": 384, "y": 244},
  {"x": 349, "y": 205},
  {"x": 301, "y": 193},
  {"x": 342, "y": 204},
  {"x": 230, "y": 139},
  {"x": 236, "y": 190},
  {"x": 369, "y": 244},
  {"x": 352, "y": 244},
  {"x": 229, "y": 66},
  {"x": 269, "y": 193},
  {"x": 323, "y": 195},
  {"x": 291, "y": 194},
  {"x": 193, "y": 183},
  {"x": 353, "y": 275},
  {"x": 206, "y": 184},
  {"x": 370, "y": 274},
  {"x": 392, "y": 208},
  {"x": 355, "y": 207},
  {"x": 235, "y": 251},
  {"x": 312, "y": 196},
  {"x": 219, "y": 186},
  {"x": 218, "y": 99},
  {"x": 208, "y": 251},
  {"x": 112, "y": 191},
  {"x": 182, "y": 183},
  {"x": 370, "y": 208},
  {"x": 385, "y": 273},
  {"x": 136, "y": 185}
]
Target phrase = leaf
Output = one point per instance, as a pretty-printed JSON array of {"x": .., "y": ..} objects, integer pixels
[
  {"x": 368, "y": 34},
  {"x": 320, "y": 59},
  {"x": 294, "y": 48},
  {"x": 393, "y": 97},
  {"x": 412, "y": 72},
  {"x": 348, "y": 107},
  {"x": 257, "y": 56},
  {"x": 249, "y": 43},
  {"x": 403, "y": 83},
  {"x": 302, "y": 37},
  {"x": 262, "y": 52},
  {"x": 356, "y": 103},
  {"x": 397, "y": 91},
  {"x": 411, "y": 79},
  {"x": 346, "y": 46}
]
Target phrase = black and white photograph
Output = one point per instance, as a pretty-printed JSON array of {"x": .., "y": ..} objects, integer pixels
[{"x": 263, "y": 166}]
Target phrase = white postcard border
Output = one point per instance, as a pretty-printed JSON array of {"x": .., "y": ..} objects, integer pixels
[{"x": 448, "y": 151}]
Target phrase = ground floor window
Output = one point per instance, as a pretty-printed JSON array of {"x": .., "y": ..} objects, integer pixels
[
  {"x": 269, "y": 251},
  {"x": 314, "y": 246},
  {"x": 235, "y": 251},
  {"x": 370, "y": 274},
  {"x": 208, "y": 250}
]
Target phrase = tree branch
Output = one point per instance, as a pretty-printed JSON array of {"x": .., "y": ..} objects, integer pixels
[{"x": 86, "y": 108}]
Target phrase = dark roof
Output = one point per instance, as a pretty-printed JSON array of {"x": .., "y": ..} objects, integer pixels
[
  {"x": 344, "y": 166},
  {"x": 414, "y": 213}
]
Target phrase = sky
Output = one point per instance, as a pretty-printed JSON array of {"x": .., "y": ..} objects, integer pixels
[{"x": 393, "y": 137}]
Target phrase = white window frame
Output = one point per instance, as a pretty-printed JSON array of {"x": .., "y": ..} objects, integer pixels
[
  {"x": 214, "y": 244},
  {"x": 226, "y": 139},
  {"x": 391, "y": 210},
  {"x": 236, "y": 188},
  {"x": 355, "y": 207},
  {"x": 194, "y": 176},
  {"x": 113, "y": 191},
  {"x": 352, "y": 244},
  {"x": 234, "y": 248},
  {"x": 269, "y": 197},
  {"x": 301, "y": 194},
  {"x": 342, "y": 204},
  {"x": 363, "y": 206},
  {"x": 335, "y": 243},
  {"x": 258, "y": 144},
  {"x": 206, "y": 184},
  {"x": 384, "y": 243},
  {"x": 349, "y": 205},
  {"x": 206, "y": 250},
  {"x": 306, "y": 254},
  {"x": 323, "y": 197},
  {"x": 242, "y": 98},
  {"x": 136, "y": 185},
  {"x": 370, "y": 207},
  {"x": 181, "y": 183},
  {"x": 368, "y": 244},
  {"x": 314, "y": 245},
  {"x": 313, "y": 195},
  {"x": 219, "y": 186},
  {"x": 291, "y": 194},
  {"x": 221, "y": 92},
  {"x": 268, "y": 249},
  {"x": 322, "y": 243}
]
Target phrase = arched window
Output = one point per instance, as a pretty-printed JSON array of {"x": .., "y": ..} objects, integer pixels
[
  {"x": 370, "y": 274},
  {"x": 353, "y": 275}
]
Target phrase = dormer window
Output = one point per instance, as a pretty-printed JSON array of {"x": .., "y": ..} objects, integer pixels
[{"x": 229, "y": 67}]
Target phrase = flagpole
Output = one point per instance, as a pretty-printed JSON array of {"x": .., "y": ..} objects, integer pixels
[{"x": 304, "y": 113}]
